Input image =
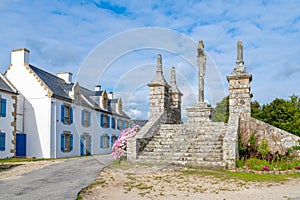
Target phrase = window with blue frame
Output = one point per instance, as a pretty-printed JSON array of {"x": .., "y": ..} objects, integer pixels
[
  {"x": 104, "y": 120},
  {"x": 2, "y": 107},
  {"x": 113, "y": 123},
  {"x": 104, "y": 141},
  {"x": 66, "y": 141},
  {"x": 66, "y": 114},
  {"x": 119, "y": 124},
  {"x": 86, "y": 118},
  {"x": 123, "y": 124},
  {"x": 113, "y": 138},
  {"x": 2, "y": 141}
]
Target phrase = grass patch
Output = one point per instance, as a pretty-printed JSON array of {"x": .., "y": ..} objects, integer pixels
[{"x": 247, "y": 177}]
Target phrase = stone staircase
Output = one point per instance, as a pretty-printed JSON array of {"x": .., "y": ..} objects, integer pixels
[{"x": 179, "y": 144}]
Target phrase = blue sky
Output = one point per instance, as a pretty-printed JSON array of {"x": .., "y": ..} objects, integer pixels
[{"x": 61, "y": 36}]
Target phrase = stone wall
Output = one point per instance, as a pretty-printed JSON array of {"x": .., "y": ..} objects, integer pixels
[{"x": 278, "y": 140}]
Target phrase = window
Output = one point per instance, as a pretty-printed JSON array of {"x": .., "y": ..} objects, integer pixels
[
  {"x": 123, "y": 124},
  {"x": 104, "y": 120},
  {"x": 113, "y": 138},
  {"x": 86, "y": 118},
  {"x": 2, "y": 141},
  {"x": 113, "y": 123},
  {"x": 119, "y": 124},
  {"x": 2, "y": 107},
  {"x": 66, "y": 114},
  {"x": 104, "y": 141},
  {"x": 66, "y": 141}
]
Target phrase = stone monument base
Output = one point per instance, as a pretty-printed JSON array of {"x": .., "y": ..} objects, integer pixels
[{"x": 200, "y": 112}]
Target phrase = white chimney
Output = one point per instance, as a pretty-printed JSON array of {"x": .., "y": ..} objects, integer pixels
[
  {"x": 110, "y": 95},
  {"x": 20, "y": 56},
  {"x": 66, "y": 76},
  {"x": 97, "y": 88}
]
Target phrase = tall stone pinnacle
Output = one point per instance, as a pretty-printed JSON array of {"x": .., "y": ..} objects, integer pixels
[
  {"x": 240, "y": 68},
  {"x": 159, "y": 71},
  {"x": 173, "y": 84},
  {"x": 173, "y": 76},
  {"x": 159, "y": 77},
  {"x": 239, "y": 57}
]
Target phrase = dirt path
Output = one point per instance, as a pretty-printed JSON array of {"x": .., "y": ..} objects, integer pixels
[{"x": 144, "y": 182}]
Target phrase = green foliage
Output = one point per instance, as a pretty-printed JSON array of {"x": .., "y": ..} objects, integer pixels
[
  {"x": 264, "y": 148},
  {"x": 284, "y": 114},
  {"x": 222, "y": 111}
]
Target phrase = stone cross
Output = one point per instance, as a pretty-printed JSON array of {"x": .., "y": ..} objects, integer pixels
[{"x": 201, "y": 58}]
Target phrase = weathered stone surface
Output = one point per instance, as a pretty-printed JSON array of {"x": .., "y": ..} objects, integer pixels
[{"x": 201, "y": 142}]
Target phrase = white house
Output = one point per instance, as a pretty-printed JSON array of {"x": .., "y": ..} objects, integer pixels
[
  {"x": 8, "y": 99},
  {"x": 62, "y": 118}
]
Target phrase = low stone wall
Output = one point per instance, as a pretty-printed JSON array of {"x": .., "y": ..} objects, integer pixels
[
  {"x": 278, "y": 140},
  {"x": 136, "y": 144}
]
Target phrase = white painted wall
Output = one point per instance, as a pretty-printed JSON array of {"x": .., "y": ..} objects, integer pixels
[{"x": 5, "y": 125}]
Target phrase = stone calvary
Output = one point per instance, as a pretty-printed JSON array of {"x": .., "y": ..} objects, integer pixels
[{"x": 200, "y": 142}]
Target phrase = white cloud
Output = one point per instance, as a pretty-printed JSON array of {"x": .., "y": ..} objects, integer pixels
[{"x": 60, "y": 35}]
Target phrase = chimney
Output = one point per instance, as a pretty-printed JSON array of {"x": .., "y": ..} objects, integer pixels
[
  {"x": 66, "y": 76},
  {"x": 110, "y": 95},
  {"x": 20, "y": 56},
  {"x": 97, "y": 88}
]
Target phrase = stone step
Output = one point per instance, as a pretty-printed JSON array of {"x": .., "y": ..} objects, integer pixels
[{"x": 182, "y": 154}]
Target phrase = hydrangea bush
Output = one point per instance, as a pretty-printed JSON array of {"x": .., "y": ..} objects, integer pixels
[{"x": 119, "y": 148}]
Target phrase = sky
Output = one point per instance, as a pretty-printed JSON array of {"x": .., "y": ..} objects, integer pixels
[{"x": 115, "y": 44}]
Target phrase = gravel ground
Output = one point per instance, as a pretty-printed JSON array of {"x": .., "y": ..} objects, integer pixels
[{"x": 144, "y": 182}]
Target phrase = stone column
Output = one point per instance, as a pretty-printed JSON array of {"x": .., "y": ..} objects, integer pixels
[
  {"x": 159, "y": 92},
  {"x": 239, "y": 107},
  {"x": 175, "y": 99}
]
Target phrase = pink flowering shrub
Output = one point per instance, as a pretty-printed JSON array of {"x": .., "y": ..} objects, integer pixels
[
  {"x": 120, "y": 146},
  {"x": 297, "y": 167},
  {"x": 265, "y": 168}
]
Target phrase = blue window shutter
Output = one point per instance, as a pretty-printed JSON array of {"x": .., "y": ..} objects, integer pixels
[
  {"x": 62, "y": 142},
  {"x": 82, "y": 117},
  {"x": 2, "y": 141},
  {"x": 118, "y": 125},
  {"x": 3, "y": 107},
  {"x": 102, "y": 120},
  {"x": 123, "y": 124},
  {"x": 71, "y": 115},
  {"x": 89, "y": 118},
  {"x": 108, "y": 121},
  {"x": 81, "y": 145},
  {"x": 101, "y": 141},
  {"x": 112, "y": 122},
  {"x": 90, "y": 145},
  {"x": 62, "y": 113},
  {"x": 71, "y": 142}
]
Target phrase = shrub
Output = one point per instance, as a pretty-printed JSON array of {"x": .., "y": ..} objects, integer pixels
[
  {"x": 265, "y": 168},
  {"x": 119, "y": 148}
]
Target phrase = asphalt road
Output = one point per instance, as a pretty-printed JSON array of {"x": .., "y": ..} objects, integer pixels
[{"x": 58, "y": 181}]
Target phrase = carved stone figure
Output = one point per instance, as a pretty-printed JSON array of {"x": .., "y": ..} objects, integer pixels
[{"x": 201, "y": 58}]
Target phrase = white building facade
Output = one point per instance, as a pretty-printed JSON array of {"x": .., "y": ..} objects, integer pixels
[
  {"x": 8, "y": 98},
  {"x": 60, "y": 118}
]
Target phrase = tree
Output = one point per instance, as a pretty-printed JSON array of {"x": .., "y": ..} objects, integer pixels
[
  {"x": 284, "y": 114},
  {"x": 221, "y": 113}
]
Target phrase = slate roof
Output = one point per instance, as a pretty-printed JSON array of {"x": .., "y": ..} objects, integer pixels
[
  {"x": 55, "y": 84},
  {"x": 4, "y": 86},
  {"x": 60, "y": 89}
]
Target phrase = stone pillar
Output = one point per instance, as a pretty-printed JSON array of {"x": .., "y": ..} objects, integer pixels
[
  {"x": 239, "y": 107},
  {"x": 239, "y": 88},
  {"x": 175, "y": 99},
  {"x": 159, "y": 92}
]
